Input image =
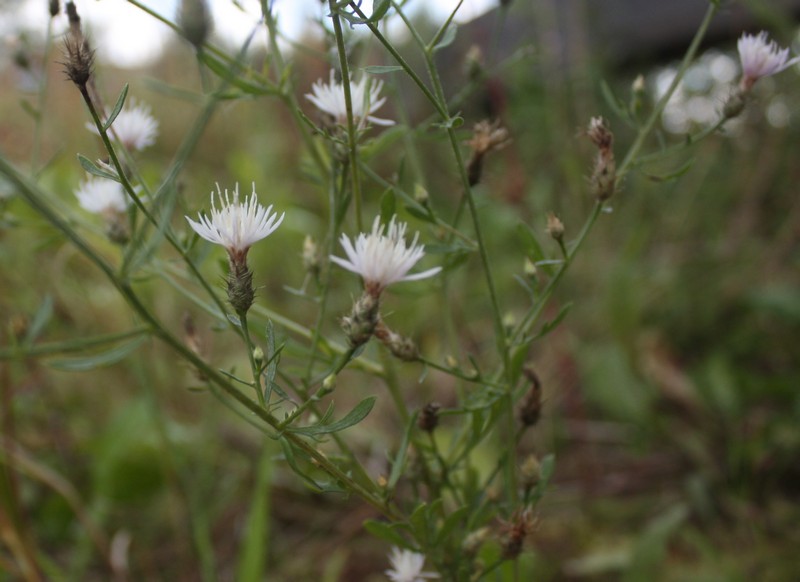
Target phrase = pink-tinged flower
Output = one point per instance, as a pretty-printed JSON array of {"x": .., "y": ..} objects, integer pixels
[
  {"x": 135, "y": 127},
  {"x": 761, "y": 58},
  {"x": 102, "y": 196},
  {"x": 364, "y": 95},
  {"x": 407, "y": 567},
  {"x": 237, "y": 225},
  {"x": 382, "y": 259}
]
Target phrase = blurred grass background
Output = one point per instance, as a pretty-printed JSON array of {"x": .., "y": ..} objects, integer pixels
[{"x": 671, "y": 389}]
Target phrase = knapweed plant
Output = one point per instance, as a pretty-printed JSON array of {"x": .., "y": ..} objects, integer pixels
[{"x": 309, "y": 383}]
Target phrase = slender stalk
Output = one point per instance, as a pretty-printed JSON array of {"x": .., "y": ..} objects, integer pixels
[
  {"x": 352, "y": 129},
  {"x": 69, "y": 346}
]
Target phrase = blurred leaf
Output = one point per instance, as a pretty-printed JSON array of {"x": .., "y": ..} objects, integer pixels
[
  {"x": 42, "y": 317},
  {"x": 101, "y": 359},
  {"x": 447, "y": 38},
  {"x": 551, "y": 325},
  {"x": 381, "y": 69},
  {"x": 650, "y": 549},
  {"x": 400, "y": 458},
  {"x": 450, "y": 523},
  {"x": 288, "y": 456},
  {"x": 611, "y": 384},
  {"x": 674, "y": 175},
  {"x": 387, "y": 532},
  {"x": 359, "y": 413},
  {"x": 91, "y": 168},
  {"x": 29, "y": 109},
  {"x": 533, "y": 248},
  {"x": 387, "y": 206},
  {"x": 117, "y": 108},
  {"x": 253, "y": 552},
  {"x": 229, "y": 73},
  {"x": 617, "y": 105},
  {"x": 420, "y": 214}
]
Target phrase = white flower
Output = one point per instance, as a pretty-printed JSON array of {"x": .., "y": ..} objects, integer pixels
[
  {"x": 235, "y": 225},
  {"x": 382, "y": 259},
  {"x": 407, "y": 567},
  {"x": 364, "y": 95},
  {"x": 761, "y": 58},
  {"x": 101, "y": 196},
  {"x": 135, "y": 128}
]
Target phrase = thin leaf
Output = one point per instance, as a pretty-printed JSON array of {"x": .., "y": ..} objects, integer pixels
[
  {"x": 674, "y": 175},
  {"x": 117, "y": 108},
  {"x": 388, "y": 206},
  {"x": 551, "y": 325},
  {"x": 92, "y": 169},
  {"x": 400, "y": 458},
  {"x": 617, "y": 105},
  {"x": 40, "y": 320},
  {"x": 387, "y": 532},
  {"x": 382, "y": 69},
  {"x": 447, "y": 38},
  {"x": 105, "y": 358},
  {"x": 359, "y": 413}
]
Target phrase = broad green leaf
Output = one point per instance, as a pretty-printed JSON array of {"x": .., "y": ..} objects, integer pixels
[
  {"x": 117, "y": 108},
  {"x": 105, "y": 358},
  {"x": 359, "y": 413}
]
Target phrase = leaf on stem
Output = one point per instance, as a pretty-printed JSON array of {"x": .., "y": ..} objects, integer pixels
[
  {"x": 359, "y": 413},
  {"x": 117, "y": 108}
]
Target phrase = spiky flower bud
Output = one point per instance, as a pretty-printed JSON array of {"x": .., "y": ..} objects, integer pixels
[
  {"x": 531, "y": 406},
  {"x": 195, "y": 21},
  {"x": 531, "y": 472},
  {"x": 555, "y": 228},
  {"x": 258, "y": 357},
  {"x": 429, "y": 417},
  {"x": 360, "y": 324},
  {"x": 80, "y": 61},
  {"x": 401, "y": 347},
  {"x": 55, "y": 8},
  {"x": 604, "y": 173},
  {"x": 311, "y": 258},
  {"x": 486, "y": 137}
]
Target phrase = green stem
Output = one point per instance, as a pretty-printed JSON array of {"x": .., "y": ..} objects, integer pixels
[{"x": 352, "y": 129}]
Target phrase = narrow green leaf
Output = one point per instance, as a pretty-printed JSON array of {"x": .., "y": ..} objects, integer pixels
[
  {"x": 40, "y": 320},
  {"x": 674, "y": 175},
  {"x": 92, "y": 169},
  {"x": 616, "y": 104},
  {"x": 252, "y": 556},
  {"x": 387, "y": 532},
  {"x": 382, "y": 69},
  {"x": 420, "y": 214},
  {"x": 379, "y": 10},
  {"x": 533, "y": 248},
  {"x": 288, "y": 455},
  {"x": 105, "y": 358},
  {"x": 551, "y": 325},
  {"x": 359, "y": 413},
  {"x": 450, "y": 523},
  {"x": 117, "y": 108},
  {"x": 400, "y": 458},
  {"x": 272, "y": 359},
  {"x": 447, "y": 38},
  {"x": 388, "y": 205}
]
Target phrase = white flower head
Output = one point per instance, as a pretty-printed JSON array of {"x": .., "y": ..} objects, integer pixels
[
  {"x": 364, "y": 95},
  {"x": 382, "y": 259},
  {"x": 237, "y": 225},
  {"x": 761, "y": 57},
  {"x": 135, "y": 127},
  {"x": 102, "y": 196},
  {"x": 407, "y": 567}
]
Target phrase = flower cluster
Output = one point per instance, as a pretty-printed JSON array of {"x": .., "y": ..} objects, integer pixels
[{"x": 364, "y": 96}]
